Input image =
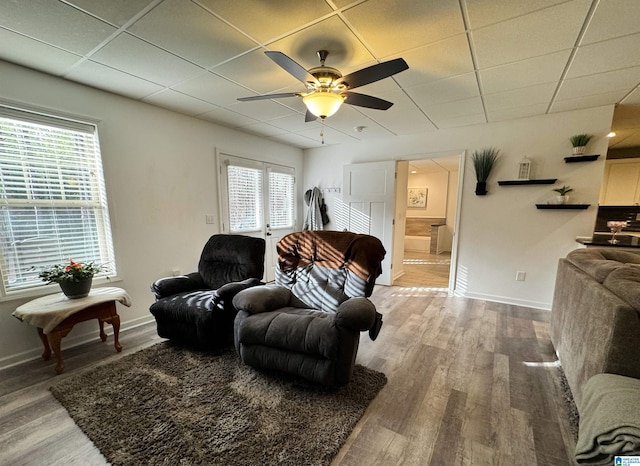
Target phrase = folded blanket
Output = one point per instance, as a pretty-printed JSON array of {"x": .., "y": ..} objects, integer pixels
[{"x": 609, "y": 419}]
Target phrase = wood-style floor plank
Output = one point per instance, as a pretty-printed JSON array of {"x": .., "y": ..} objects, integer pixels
[{"x": 469, "y": 383}]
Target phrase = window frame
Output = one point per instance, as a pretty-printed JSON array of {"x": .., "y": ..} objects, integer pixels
[{"x": 91, "y": 195}]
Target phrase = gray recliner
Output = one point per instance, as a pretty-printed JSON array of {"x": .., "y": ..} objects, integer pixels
[{"x": 309, "y": 322}]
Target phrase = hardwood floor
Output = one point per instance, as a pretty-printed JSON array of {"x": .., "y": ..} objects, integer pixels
[
  {"x": 425, "y": 270},
  {"x": 469, "y": 383}
]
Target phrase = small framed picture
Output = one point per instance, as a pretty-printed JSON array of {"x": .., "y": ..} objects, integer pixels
[{"x": 417, "y": 198}]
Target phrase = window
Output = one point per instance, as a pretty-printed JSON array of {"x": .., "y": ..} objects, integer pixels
[
  {"x": 281, "y": 198},
  {"x": 53, "y": 203},
  {"x": 245, "y": 199}
]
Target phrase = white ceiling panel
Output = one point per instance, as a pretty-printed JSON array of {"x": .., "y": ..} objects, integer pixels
[
  {"x": 268, "y": 20},
  {"x": 442, "y": 59},
  {"x": 613, "y": 18},
  {"x": 423, "y": 22},
  {"x": 539, "y": 33},
  {"x": 198, "y": 56},
  {"x": 164, "y": 26},
  {"x": 609, "y": 55},
  {"x": 127, "y": 53},
  {"x": 103, "y": 77},
  {"x": 212, "y": 88},
  {"x": 34, "y": 54},
  {"x": 524, "y": 73}
]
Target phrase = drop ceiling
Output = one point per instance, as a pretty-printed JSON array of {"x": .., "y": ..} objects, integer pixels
[{"x": 470, "y": 61}]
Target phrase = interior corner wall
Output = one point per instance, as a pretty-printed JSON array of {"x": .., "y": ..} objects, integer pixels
[
  {"x": 160, "y": 173},
  {"x": 502, "y": 232}
]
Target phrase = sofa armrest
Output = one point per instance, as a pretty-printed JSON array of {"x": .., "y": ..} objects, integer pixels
[
  {"x": 228, "y": 291},
  {"x": 263, "y": 298},
  {"x": 169, "y": 286},
  {"x": 356, "y": 314}
]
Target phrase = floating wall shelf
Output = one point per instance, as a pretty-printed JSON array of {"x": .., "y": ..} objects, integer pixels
[
  {"x": 563, "y": 206},
  {"x": 581, "y": 158},
  {"x": 523, "y": 182}
]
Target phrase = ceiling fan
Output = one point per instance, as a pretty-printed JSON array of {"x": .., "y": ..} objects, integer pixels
[{"x": 327, "y": 89}]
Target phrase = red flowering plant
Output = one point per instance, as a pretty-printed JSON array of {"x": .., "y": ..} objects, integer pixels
[{"x": 71, "y": 272}]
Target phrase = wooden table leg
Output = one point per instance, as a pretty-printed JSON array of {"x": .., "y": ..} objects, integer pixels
[
  {"x": 114, "y": 320},
  {"x": 46, "y": 355},
  {"x": 55, "y": 338},
  {"x": 103, "y": 335}
]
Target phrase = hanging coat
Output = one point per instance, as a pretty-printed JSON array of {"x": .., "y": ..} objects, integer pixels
[{"x": 313, "y": 220}]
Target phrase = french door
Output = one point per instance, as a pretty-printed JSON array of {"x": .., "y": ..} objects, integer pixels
[{"x": 257, "y": 199}]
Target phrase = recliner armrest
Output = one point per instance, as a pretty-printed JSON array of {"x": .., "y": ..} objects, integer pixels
[
  {"x": 263, "y": 298},
  {"x": 169, "y": 286},
  {"x": 228, "y": 291},
  {"x": 356, "y": 313}
]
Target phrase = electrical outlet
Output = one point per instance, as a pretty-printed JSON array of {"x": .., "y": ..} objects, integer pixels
[
  {"x": 176, "y": 272},
  {"x": 520, "y": 275}
]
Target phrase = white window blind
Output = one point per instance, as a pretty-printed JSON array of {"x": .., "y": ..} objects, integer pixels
[
  {"x": 281, "y": 199},
  {"x": 245, "y": 198},
  {"x": 53, "y": 203}
]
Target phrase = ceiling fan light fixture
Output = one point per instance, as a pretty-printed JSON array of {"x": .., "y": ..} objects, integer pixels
[{"x": 323, "y": 103}]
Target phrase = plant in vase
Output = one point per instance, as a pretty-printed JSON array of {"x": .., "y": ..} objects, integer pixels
[
  {"x": 74, "y": 278},
  {"x": 562, "y": 197},
  {"x": 579, "y": 142},
  {"x": 483, "y": 163}
]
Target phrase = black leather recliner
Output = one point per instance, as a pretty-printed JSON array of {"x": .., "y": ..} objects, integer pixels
[
  {"x": 196, "y": 309},
  {"x": 309, "y": 323}
]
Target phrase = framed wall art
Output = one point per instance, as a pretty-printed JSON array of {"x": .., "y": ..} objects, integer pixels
[{"x": 417, "y": 198}]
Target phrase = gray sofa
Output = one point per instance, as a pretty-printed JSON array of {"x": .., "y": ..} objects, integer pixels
[{"x": 595, "y": 318}]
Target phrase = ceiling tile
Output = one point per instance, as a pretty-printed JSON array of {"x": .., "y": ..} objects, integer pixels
[
  {"x": 349, "y": 117},
  {"x": 212, "y": 88},
  {"x": 294, "y": 122},
  {"x": 403, "y": 118},
  {"x": 19, "y": 49},
  {"x": 55, "y": 23},
  {"x": 263, "y": 129},
  {"x": 227, "y": 118},
  {"x": 632, "y": 100},
  {"x": 390, "y": 27},
  {"x": 262, "y": 110},
  {"x": 462, "y": 120},
  {"x": 539, "y": 33},
  {"x": 524, "y": 73},
  {"x": 445, "y": 90},
  {"x": 164, "y": 26},
  {"x": 283, "y": 15},
  {"x": 613, "y": 18},
  {"x": 619, "y": 80},
  {"x": 346, "y": 52},
  {"x": 442, "y": 59},
  {"x": 540, "y": 94},
  {"x": 178, "y": 102},
  {"x": 501, "y": 114},
  {"x": 331, "y": 136},
  {"x": 297, "y": 141},
  {"x": 141, "y": 59},
  {"x": 258, "y": 72},
  {"x": 485, "y": 12},
  {"x": 456, "y": 109},
  {"x": 626, "y": 139},
  {"x": 103, "y": 77},
  {"x": 609, "y": 55},
  {"x": 117, "y": 12},
  {"x": 598, "y": 100}
]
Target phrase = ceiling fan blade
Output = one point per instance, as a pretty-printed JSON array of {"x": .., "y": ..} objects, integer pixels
[
  {"x": 368, "y": 101},
  {"x": 269, "y": 96},
  {"x": 291, "y": 67},
  {"x": 374, "y": 73},
  {"x": 309, "y": 117}
]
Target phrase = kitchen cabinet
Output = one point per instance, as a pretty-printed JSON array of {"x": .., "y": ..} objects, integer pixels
[{"x": 621, "y": 182}]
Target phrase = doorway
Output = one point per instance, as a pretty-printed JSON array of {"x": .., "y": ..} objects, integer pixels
[{"x": 426, "y": 203}]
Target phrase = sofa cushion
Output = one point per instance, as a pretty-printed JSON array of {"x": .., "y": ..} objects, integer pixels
[
  {"x": 600, "y": 262},
  {"x": 625, "y": 282},
  {"x": 314, "y": 286}
]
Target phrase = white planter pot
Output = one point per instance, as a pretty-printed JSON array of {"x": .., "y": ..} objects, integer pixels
[
  {"x": 579, "y": 150},
  {"x": 562, "y": 199}
]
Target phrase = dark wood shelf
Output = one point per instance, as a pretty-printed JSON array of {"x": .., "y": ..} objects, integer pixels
[
  {"x": 581, "y": 158},
  {"x": 563, "y": 206},
  {"x": 524, "y": 182}
]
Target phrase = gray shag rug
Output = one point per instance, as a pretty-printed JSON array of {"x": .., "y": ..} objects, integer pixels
[{"x": 174, "y": 406}]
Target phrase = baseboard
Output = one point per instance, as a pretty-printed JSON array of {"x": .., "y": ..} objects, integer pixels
[
  {"x": 75, "y": 340},
  {"x": 506, "y": 300}
]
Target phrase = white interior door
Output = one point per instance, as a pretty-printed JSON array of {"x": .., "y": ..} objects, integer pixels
[
  {"x": 369, "y": 201},
  {"x": 257, "y": 199}
]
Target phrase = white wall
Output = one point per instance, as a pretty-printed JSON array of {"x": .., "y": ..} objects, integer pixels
[
  {"x": 502, "y": 232},
  {"x": 161, "y": 182},
  {"x": 437, "y": 186}
]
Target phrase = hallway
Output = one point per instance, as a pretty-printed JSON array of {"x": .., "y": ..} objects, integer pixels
[{"x": 425, "y": 270}]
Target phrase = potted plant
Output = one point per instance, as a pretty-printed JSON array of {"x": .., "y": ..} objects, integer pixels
[
  {"x": 74, "y": 278},
  {"x": 562, "y": 197},
  {"x": 579, "y": 142},
  {"x": 483, "y": 163}
]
